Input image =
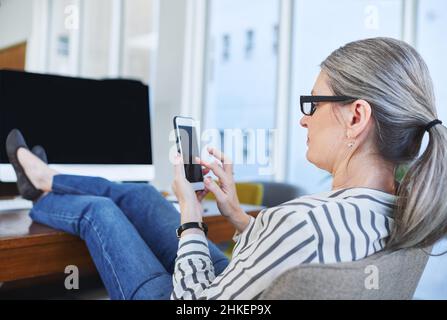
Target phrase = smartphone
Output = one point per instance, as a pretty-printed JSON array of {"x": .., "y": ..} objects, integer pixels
[{"x": 188, "y": 147}]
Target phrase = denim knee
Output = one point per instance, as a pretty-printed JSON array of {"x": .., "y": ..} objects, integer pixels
[
  {"x": 158, "y": 287},
  {"x": 102, "y": 214},
  {"x": 145, "y": 188},
  {"x": 141, "y": 191}
]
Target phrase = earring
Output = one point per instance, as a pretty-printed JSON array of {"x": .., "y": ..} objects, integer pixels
[{"x": 350, "y": 144}]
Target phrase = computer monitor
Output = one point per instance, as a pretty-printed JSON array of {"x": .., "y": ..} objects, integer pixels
[{"x": 88, "y": 127}]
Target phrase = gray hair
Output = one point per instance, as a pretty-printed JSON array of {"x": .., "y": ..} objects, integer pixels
[{"x": 394, "y": 79}]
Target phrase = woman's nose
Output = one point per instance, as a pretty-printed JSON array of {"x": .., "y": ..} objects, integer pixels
[{"x": 303, "y": 121}]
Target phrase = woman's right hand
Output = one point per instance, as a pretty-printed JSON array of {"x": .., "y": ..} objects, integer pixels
[{"x": 225, "y": 190}]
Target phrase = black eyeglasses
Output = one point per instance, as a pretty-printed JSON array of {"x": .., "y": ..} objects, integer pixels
[{"x": 308, "y": 106}]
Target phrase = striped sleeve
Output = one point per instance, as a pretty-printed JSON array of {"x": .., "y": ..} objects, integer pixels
[
  {"x": 193, "y": 271},
  {"x": 241, "y": 239},
  {"x": 285, "y": 240}
]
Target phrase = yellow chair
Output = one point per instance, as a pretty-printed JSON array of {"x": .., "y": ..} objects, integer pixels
[{"x": 248, "y": 193}]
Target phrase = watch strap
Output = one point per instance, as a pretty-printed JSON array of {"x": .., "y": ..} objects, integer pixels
[{"x": 192, "y": 225}]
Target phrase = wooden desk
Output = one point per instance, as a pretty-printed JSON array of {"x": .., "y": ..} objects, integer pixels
[{"x": 29, "y": 249}]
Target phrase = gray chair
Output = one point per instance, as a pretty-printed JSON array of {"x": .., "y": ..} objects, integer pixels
[
  {"x": 398, "y": 276},
  {"x": 276, "y": 193}
]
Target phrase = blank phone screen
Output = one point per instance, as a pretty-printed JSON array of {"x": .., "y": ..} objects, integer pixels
[{"x": 190, "y": 150}]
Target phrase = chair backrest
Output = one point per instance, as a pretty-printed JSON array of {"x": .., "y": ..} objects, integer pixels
[
  {"x": 383, "y": 276},
  {"x": 276, "y": 193}
]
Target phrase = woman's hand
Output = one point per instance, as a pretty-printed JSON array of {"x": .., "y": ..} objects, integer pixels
[
  {"x": 190, "y": 208},
  {"x": 225, "y": 190}
]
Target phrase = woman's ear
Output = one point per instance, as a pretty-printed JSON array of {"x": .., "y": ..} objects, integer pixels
[{"x": 358, "y": 116}]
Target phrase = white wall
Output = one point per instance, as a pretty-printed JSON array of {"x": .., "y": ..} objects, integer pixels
[{"x": 15, "y": 22}]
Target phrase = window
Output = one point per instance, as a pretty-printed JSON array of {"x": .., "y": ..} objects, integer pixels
[
  {"x": 96, "y": 41},
  {"x": 140, "y": 40},
  {"x": 275, "y": 44},
  {"x": 430, "y": 29},
  {"x": 64, "y": 36},
  {"x": 249, "y": 44},
  {"x": 240, "y": 84},
  {"x": 226, "y": 41},
  {"x": 99, "y": 39},
  {"x": 315, "y": 36},
  {"x": 431, "y": 26}
]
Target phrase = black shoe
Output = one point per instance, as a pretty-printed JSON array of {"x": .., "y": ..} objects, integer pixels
[
  {"x": 39, "y": 152},
  {"x": 14, "y": 142}
]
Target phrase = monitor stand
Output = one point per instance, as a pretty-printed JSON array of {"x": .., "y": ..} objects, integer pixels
[
  {"x": 8, "y": 190},
  {"x": 10, "y": 199}
]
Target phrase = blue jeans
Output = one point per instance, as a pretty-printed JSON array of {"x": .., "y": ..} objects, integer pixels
[{"x": 129, "y": 230}]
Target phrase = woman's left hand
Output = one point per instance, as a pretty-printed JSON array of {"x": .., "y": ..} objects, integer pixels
[{"x": 190, "y": 201}]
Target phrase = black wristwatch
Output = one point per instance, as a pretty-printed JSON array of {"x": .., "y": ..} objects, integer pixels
[{"x": 192, "y": 225}]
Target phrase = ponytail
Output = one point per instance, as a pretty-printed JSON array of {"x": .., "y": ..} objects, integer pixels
[{"x": 420, "y": 218}]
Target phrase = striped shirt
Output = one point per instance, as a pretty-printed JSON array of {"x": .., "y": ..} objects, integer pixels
[{"x": 330, "y": 227}]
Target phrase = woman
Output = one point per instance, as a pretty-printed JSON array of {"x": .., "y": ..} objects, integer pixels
[{"x": 372, "y": 103}]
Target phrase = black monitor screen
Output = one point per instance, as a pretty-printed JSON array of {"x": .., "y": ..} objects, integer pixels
[{"x": 77, "y": 121}]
